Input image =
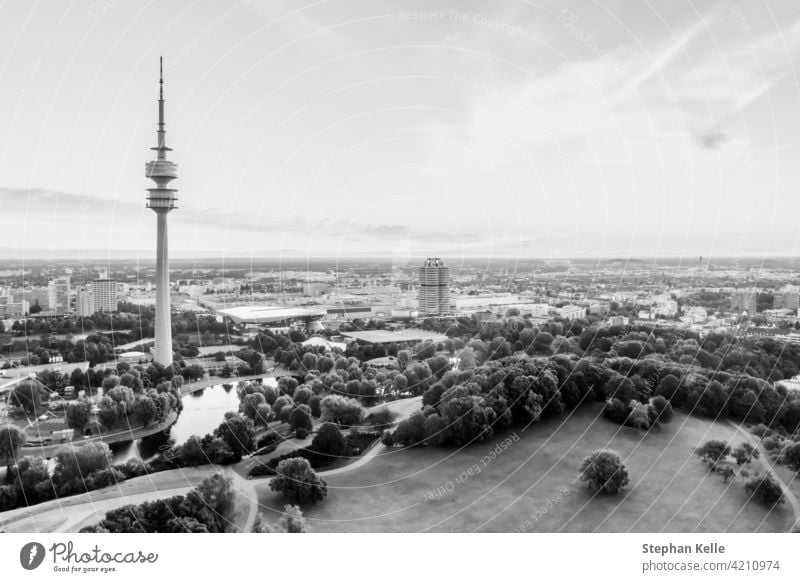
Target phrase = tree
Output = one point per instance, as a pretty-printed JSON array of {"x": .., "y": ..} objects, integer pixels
[
  {"x": 144, "y": 409},
  {"x": 468, "y": 417},
  {"x": 11, "y": 440},
  {"x": 661, "y": 411},
  {"x": 280, "y": 403},
  {"x": 791, "y": 456},
  {"x": 76, "y": 462},
  {"x": 27, "y": 395},
  {"x": 411, "y": 431},
  {"x": 638, "y": 417},
  {"x": 192, "y": 453},
  {"x": 466, "y": 359},
  {"x": 341, "y": 410},
  {"x": 301, "y": 418},
  {"x": 744, "y": 453},
  {"x": 604, "y": 471},
  {"x": 291, "y": 521},
  {"x": 714, "y": 450},
  {"x": 238, "y": 433},
  {"x": 298, "y": 481},
  {"x": 329, "y": 441},
  {"x": 250, "y": 403},
  {"x": 764, "y": 488},
  {"x": 78, "y": 414},
  {"x": 263, "y": 413}
]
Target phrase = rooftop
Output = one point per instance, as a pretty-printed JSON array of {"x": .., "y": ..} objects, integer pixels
[
  {"x": 271, "y": 313},
  {"x": 381, "y": 336}
]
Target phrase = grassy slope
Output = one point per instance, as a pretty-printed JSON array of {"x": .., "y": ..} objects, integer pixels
[{"x": 671, "y": 490}]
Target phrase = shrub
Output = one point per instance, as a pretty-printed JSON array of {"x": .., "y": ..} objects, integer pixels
[
  {"x": 616, "y": 411},
  {"x": 604, "y": 471},
  {"x": 744, "y": 452},
  {"x": 761, "y": 430},
  {"x": 268, "y": 438},
  {"x": 765, "y": 489},
  {"x": 301, "y": 433},
  {"x": 382, "y": 418},
  {"x": 387, "y": 438},
  {"x": 772, "y": 443},
  {"x": 298, "y": 481}
]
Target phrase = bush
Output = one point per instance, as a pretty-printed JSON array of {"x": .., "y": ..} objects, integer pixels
[
  {"x": 765, "y": 489},
  {"x": 772, "y": 443},
  {"x": 382, "y": 418},
  {"x": 301, "y": 433},
  {"x": 616, "y": 411},
  {"x": 298, "y": 481},
  {"x": 761, "y": 430},
  {"x": 604, "y": 471},
  {"x": 269, "y": 438},
  {"x": 357, "y": 442},
  {"x": 204, "y": 509},
  {"x": 387, "y": 438},
  {"x": 744, "y": 452}
]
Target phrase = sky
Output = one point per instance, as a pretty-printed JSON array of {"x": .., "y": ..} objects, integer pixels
[{"x": 404, "y": 129}]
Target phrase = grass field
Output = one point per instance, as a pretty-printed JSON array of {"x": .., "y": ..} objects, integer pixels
[{"x": 532, "y": 485}]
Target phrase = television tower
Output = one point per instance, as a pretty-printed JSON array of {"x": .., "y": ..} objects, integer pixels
[{"x": 161, "y": 199}]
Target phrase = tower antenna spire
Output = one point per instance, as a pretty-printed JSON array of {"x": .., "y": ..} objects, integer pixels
[{"x": 161, "y": 78}]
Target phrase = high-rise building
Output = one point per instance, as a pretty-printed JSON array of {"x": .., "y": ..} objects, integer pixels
[
  {"x": 58, "y": 295},
  {"x": 433, "y": 294},
  {"x": 161, "y": 200},
  {"x": 84, "y": 302},
  {"x": 744, "y": 300},
  {"x": 787, "y": 298},
  {"x": 104, "y": 294}
]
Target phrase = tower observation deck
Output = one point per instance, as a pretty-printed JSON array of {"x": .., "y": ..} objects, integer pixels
[{"x": 161, "y": 199}]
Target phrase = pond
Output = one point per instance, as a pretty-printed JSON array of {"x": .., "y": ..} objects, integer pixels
[{"x": 202, "y": 412}]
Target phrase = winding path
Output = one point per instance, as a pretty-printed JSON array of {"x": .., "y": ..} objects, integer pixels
[
  {"x": 72, "y": 513},
  {"x": 788, "y": 494}
]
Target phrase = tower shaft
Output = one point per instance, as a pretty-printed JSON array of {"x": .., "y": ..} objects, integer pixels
[{"x": 163, "y": 345}]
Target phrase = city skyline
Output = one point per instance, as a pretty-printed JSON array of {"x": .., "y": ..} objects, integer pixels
[{"x": 372, "y": 130}]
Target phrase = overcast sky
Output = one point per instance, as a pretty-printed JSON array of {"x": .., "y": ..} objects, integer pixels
[{"x": 342, "y": 127}]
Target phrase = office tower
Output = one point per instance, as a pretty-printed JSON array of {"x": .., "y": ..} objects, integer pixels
[
  {"x": 433, "y": 294},
  {"x": 58, "y": 295}
]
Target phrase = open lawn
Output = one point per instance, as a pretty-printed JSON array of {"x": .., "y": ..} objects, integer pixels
[{"x": 532, "y": 485}]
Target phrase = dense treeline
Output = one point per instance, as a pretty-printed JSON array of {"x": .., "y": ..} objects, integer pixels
[{"x": 636, "y": 371}]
